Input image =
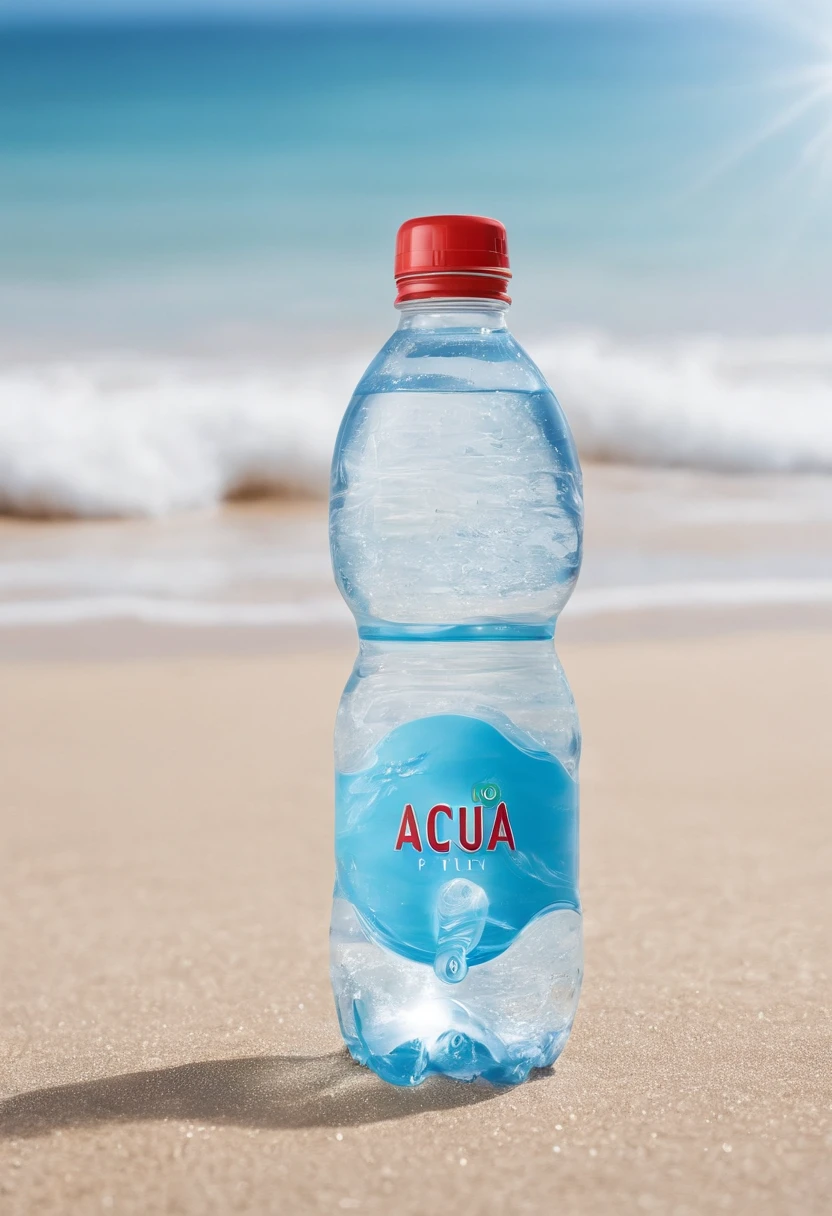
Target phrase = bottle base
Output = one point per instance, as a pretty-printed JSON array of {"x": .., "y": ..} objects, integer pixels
[
  {"x": 506, "y": 1018},
  {"x": 456, "y": 1055}
]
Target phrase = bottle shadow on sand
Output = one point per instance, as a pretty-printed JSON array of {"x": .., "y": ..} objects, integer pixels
[{"x": 261, "y": 1091}]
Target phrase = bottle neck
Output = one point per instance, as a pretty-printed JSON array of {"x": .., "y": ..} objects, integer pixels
[{"x": 477, "y": 315}]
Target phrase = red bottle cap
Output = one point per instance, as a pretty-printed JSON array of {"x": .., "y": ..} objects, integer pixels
[{"x": 452, "y": 255}]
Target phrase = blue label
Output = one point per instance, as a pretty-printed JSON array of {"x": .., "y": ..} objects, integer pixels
[{"x": 455, "y": 838}]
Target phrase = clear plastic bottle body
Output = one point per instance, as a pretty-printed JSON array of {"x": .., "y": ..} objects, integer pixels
[
  {"x": 456, "y": 489},
  {"x": 456, "y": 526}
]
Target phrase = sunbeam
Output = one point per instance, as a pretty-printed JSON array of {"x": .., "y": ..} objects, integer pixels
[{"x": 809, "y": 108}]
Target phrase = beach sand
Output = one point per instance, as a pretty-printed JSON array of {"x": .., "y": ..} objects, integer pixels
[{"x": 169, "y": 1037}]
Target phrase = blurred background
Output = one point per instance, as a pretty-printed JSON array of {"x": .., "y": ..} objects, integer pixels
[{"x": 198, "y": 204}]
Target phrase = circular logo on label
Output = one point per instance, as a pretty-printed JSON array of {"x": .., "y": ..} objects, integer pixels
[{"x": 487, "y": 793}]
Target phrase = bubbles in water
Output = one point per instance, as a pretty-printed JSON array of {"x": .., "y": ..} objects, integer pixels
[
  {"x": 461, "y": 912},
  {"x": 480, "y": 489}
]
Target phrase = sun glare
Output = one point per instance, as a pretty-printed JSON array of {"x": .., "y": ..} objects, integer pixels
[
  {"x": 813, "y": 88},
  {"x": 817, "y": 150},
  {"x": 806, "y": 115}
]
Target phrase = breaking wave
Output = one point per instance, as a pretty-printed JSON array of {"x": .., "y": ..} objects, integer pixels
[{"x": 128, "y": 436}]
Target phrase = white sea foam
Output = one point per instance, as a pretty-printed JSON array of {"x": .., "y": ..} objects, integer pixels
[
  {"x": 124, "y": 437},
  {"x": 711, "y": 403},
  {"x": 108, "y": 436}
]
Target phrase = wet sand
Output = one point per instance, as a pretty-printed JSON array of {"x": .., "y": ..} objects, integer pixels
[
  {"x": 169, "y": 1040},
  {"x": 669, "y": 553}
]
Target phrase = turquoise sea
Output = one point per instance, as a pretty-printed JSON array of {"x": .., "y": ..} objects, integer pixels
[{"x": 197, "y": 223}]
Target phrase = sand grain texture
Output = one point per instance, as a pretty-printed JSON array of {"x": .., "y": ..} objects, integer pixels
[{"x": 169, "y": 1041}]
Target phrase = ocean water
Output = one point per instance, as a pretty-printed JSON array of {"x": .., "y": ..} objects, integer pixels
[{"x": 197, "y": 223}]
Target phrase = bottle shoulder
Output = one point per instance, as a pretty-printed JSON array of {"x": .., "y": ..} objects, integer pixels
[
  {"x": 488, "y": 375},
  {"x": 451, "y": 360}
]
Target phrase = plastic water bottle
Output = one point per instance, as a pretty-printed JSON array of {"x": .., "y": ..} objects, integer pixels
[{"x": 455, "y": 528}]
